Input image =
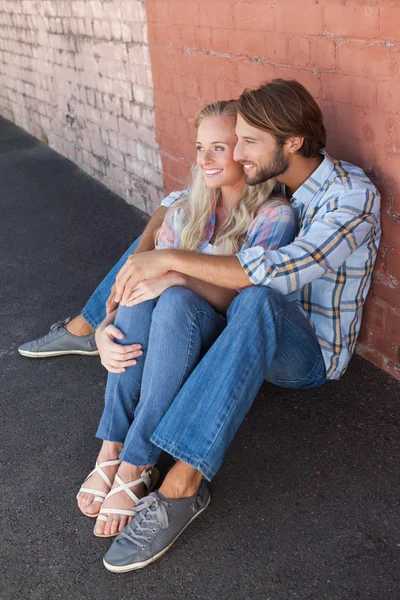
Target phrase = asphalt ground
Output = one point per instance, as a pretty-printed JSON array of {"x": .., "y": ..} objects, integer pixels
[{"x": 306, "y": 505}]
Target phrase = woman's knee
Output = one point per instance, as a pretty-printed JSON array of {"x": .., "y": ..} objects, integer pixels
[
  {"x": 175, "y": 302},
  {"x": 254, "y": 299}
]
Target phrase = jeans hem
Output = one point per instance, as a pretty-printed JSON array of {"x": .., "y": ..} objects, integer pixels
[
  {"x": 108, "y": 438},
  {"x": 179, "y": 455},
  {"x": 89, "y": 319}
]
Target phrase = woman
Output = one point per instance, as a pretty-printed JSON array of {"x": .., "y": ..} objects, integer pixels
[{"x": 175, "y": 318}]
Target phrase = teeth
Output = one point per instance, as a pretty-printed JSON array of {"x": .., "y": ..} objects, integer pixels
[
  {"x": 213, "y": 171},
  {"x": 248, "y": 166}
]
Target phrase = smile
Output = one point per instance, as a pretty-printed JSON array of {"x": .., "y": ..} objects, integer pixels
[
  {"x": 247, "y": 167},
  {"x": 210, "y": 172}
]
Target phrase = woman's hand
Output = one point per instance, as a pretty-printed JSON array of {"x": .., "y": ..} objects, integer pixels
[
  {"x": 153, "y": 288},
  {"x": 115, "y": 357}
]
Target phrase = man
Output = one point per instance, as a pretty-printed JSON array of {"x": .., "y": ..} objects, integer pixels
[{"x": 295, "y": 323}]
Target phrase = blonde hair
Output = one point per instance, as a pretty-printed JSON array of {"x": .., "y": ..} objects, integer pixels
[{"x": 201, "y": 199}]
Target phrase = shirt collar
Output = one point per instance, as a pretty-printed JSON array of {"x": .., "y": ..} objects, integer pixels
[{"x": 306, "y": 192}]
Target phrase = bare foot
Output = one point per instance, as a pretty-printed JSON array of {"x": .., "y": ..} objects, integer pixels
[
  {"x": 79, "y": 326},
  {"x": 121, "y": 500},
  {"x": 109, "y": 451}
]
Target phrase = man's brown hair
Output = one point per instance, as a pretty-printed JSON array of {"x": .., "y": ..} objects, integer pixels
[{"x": 285, "y": 108}]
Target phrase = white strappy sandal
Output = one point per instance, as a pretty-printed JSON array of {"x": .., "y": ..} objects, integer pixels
[
  {"x": 148, "y": 477},
  {"x": 98, "y": 495}
]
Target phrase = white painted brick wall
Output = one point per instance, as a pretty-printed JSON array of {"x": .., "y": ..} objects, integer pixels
[{"x": 76, "y": 74}]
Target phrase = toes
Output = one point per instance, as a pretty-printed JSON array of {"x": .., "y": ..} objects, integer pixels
[
  {"x": 92, "y": 508},
  {"x": 114, "y": 526},
  {"x": 123, "y": 523},
  {"x": 100, "y": 529}
]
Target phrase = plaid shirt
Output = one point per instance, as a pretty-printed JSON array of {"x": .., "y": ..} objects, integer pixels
[
  {"x": 326, "y": 271},
  {"x": 274, "y": 226}
]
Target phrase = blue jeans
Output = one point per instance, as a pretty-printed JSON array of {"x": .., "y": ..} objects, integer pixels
[
  {"x": 94, "y": 312},
  {"x": 175, "y": 331},
  {"x": 267, "y": 337}
]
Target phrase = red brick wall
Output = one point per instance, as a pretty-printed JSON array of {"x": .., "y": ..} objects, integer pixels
[{"x": 345, "y": 53}]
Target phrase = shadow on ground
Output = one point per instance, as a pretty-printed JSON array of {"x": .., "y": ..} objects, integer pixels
[{"x": 306, "y": 505}]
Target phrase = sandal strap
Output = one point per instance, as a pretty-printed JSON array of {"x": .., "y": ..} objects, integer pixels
[
  {"x": 145, "y": 478},
  {"x": 115, "y": 511},
  {"x": 99, "y": 469},
  {"x": 97, "y": 493}
]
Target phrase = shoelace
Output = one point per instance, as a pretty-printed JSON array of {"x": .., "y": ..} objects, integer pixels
[
  {"x": 151, "y": 510},
  {"x": 55, "y": 328}
]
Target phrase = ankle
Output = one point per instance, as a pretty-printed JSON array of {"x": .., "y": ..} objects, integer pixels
[
  {"x": 110, "y": 451},
  {"x": 78, "y": 326},
  {"x": 127, "y": 470},
  {"x": 182, "y": 481}
]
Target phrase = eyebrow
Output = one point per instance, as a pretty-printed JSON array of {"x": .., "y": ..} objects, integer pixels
[
  {"x": 226, "y": 143},
  {"x": 248, "y": 137}
]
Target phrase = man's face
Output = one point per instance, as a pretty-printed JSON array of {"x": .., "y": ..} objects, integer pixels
[{"x": 259, "y": 153}]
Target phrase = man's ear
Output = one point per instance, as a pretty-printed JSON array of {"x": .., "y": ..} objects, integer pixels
[{"x": 294, "y": 143}]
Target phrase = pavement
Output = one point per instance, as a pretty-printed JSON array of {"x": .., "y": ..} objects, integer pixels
[{"x": 306, "y": 505}]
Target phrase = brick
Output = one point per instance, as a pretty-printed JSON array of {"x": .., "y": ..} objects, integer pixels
[
  {"x": 361, "y": 155},
  {"x": 189, "y": 107},
  {"x": 135, "y": 166},
  {"x": 248, "y": 43},
  {"x": 276, "y": 47},
  {"x": 190, "y": 63},
  {"x": 355, "y": 91},
  {"x": 116, "y": 30},
  {"x": 388, "y": 96},
  {"x": 115, "y": 157},
  {"x": 303, "y": 17},
  {"x": 157, "y": 11},
  {"x": 350, "y": 20},
  {"x": 146, "y": 136},
  {"x": 153, "y": 176},
  {"x": 374, "y": 62},
  {"x": 389, "y": 22},
  {"x": 218, "y": 39},
  {"x": 356, "y": 123},
  {"x": 127, "y": 128},
  {"x": 216, "y": 14},
  {"x": 224, "y": 68},
  {"x": 175, "y": 168},
  {"x": 252, "y": 16},
  {"x": 143, "y": 95},
  {"x": 167, "y": 60},
  {"x": 184, "y": 12},
  {"x": 322, "y": 52},
  {"x": 187, "y": 35},
  {"x": 166, "y": 102},
  {"x": 298, "y": 50}
]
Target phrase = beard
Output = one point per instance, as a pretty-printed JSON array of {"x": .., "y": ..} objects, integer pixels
[{"x": 278, "y": 165}]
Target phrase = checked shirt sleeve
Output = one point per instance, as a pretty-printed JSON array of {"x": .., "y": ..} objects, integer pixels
[
  {"x": 338, "y": 228},
  {"x": 173, "y": 197},
  {"x": 273, "y": 227}
]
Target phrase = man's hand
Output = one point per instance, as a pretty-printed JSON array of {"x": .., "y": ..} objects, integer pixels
[
  {"x": 139, "y": 267},
  {"x": 115, "y": 357},
  {"x": 153, "y": 288}
]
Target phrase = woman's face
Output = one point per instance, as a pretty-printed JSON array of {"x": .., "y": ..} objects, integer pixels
[{"x": 216, "y": 140}]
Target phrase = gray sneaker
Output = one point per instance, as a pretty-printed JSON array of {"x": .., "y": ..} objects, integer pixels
[
  {"x": 59, "y": 341},
  {"x": 158, "y": 523}
]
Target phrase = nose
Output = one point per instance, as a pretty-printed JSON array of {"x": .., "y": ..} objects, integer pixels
[
  {"x": 238, "y": 152},
  {"x": 207, "y": 157}
]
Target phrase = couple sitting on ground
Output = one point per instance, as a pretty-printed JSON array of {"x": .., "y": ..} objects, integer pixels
[{"x": 260, "y": 272}]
